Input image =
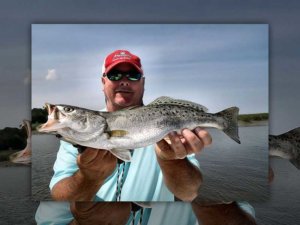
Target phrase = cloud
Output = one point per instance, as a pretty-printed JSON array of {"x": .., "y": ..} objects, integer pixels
[{"x": 51, "y": 75}]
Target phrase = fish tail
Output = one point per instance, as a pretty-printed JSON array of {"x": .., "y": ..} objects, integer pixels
[
  {"x": 231, "y": 117},
  {"x": 296, "y": 162}
]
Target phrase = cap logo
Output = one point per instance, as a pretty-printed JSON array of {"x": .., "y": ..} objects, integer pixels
[{"x": 121, "y": 55}]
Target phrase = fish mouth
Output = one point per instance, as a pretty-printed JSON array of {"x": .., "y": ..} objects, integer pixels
[{"x": 52, "y": 123}]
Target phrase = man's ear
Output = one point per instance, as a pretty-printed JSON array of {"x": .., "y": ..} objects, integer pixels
[{"x": 103, "y": 82}]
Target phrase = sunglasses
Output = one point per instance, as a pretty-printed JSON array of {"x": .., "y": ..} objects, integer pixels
[{"x": 118, "y": 75}]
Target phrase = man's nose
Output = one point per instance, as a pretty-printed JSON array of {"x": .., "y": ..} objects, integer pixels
[{"x": 124, "y": 82}]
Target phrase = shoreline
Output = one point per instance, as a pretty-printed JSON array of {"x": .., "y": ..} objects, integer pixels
[{"x": 253, "y": 123}]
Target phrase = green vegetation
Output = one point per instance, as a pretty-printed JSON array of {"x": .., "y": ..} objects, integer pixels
[
  {"x": 248, "y": 118},
  {"x": 4, "y": 154},
  {"x": 12, "y": 138},
  {"x": 38, "y": 115}
]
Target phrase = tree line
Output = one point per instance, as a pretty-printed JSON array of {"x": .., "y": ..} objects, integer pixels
[{"x": 15, "y": 138}]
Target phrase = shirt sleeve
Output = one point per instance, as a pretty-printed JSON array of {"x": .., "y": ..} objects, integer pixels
[
  {"x": 53, "y": 213},
  {"x": 65, "y": 164},
  {"x": 246, "y": 207},
  {"x": 193, "y": 160}
]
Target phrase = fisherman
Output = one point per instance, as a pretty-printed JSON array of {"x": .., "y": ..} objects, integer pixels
[
  {"x": 162, "y": 172},
  {"x": 155, "y": 173}
]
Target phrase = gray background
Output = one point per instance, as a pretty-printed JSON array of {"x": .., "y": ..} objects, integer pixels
[{"x": 283, "y": 16}]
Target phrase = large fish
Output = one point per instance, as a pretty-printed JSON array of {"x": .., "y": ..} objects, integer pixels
[
  {"x": 134, "y": 127},
  {"x": 287, "y": 146}
]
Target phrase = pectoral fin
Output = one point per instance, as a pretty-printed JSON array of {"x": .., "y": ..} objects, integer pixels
[
  {"x": 117, "y": 133},
  {"x": 144, "y": 204},
  {"x": 124, "y": 155}
]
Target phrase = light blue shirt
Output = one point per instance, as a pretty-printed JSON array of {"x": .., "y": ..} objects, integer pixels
[{"x": 138, "y": 180}]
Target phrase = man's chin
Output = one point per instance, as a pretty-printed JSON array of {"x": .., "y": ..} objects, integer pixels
[{"x": 123, "y": 102}]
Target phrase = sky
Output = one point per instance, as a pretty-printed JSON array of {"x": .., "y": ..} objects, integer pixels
[
  {"x": 17, "y": 16},
  {"x": 218, "y": 66}
]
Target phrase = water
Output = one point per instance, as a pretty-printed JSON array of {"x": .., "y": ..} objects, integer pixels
[
  {"x": 44, "y": 150},
  {"x": 231, "y": 171},
  {"x": 283, "y": 205},
  {"x": 16, "y": 206}
]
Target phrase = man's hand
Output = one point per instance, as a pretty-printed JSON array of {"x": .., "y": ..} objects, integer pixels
[
  {"x": 180, "y": 146},
  {"x": 182, "y": 178},
  {"x": 221, "y": 214},
  {"x": 95, "y": 166},
  {"x": 104, "y": 213}
]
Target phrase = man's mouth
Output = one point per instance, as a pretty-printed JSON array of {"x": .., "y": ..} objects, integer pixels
[{"x": 124, "y": 91}]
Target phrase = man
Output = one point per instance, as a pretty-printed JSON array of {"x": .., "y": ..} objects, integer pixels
[{"x": 156, "y": 173}]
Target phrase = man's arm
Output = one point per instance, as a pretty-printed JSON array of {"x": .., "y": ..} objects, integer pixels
[
  {"x": 94, "y": 167},
  {"x": 104, "y": 213},
  {"x": 180, "y": 175},
  {"x": 222, "y": 214}
]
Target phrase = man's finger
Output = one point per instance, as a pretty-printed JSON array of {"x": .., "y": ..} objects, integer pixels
[
  {"x": 177, "y": 146},
  {"x": 204, "y": 135},
  {"x": 165, "y": 151},
  {"x": 193, "y": 143},
  {"x": 87, "y": 156}
]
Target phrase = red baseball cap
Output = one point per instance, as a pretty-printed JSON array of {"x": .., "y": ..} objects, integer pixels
[{"x": 121, "y": 56}]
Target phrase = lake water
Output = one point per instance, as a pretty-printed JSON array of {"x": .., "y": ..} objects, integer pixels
[
  {"x": 283, "y": 205},
  {"x": 16, "y": 206},
  {"x": 231, "y": 171}
]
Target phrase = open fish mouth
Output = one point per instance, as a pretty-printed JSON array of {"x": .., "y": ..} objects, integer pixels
[{"x": 53, "y": 122}]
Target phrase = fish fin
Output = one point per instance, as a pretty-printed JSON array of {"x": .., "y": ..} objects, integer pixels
[
  {"x": 294, "y": 131},
  {"x": 296, "y": 162},
  {"x": 231, "y": 116},
  {"x": 125, "y": 155},
  {"x": 117, "y": 133},
  {"x": 144, "y": 204},
  {"x": 164, "y": 100}
]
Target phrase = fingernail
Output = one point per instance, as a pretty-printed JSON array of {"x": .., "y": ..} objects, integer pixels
[{"x": 198, "y": 129}]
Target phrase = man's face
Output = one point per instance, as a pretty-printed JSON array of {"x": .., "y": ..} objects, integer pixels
[{"x": 123, "y": 93}]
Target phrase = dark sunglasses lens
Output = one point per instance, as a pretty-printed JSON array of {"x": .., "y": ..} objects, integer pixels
[
  {"x": 134, "y": 76},
  {"x": 114, "y": 76}
]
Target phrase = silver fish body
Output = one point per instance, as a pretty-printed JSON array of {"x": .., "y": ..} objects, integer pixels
[
  {"x": 137, "y": 127},
  {"x": 287, "y": 146}
]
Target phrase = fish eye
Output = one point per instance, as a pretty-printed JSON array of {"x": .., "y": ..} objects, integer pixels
[{"x": 68, "y": 109}]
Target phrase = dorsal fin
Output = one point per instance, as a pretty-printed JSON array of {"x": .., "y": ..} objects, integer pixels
[
  {"x": 292, "y": 135},
  {"x": 164, "y": 100}
]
